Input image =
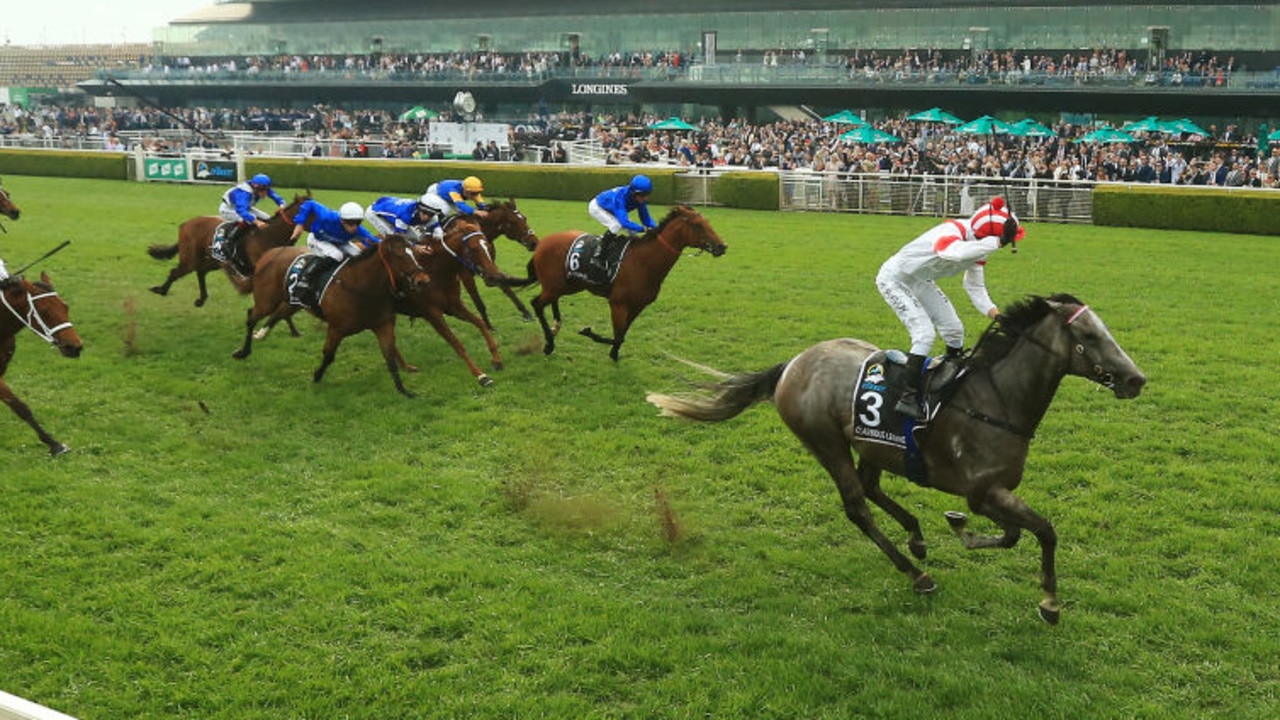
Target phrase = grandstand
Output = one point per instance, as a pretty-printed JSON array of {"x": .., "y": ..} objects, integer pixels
[{"x": 49, "y": 67}]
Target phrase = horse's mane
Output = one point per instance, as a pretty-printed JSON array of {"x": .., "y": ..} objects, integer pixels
[
  {"x": 1000, "y": 337},
  {"x": 674, "y": 213}
]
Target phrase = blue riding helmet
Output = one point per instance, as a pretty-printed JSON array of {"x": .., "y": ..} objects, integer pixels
[
  {"x": 260, "y": 180},
  {"x": 641, "y": 185}
]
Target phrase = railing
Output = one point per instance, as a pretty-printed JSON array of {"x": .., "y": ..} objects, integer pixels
[{"x": 935, "y": 195}]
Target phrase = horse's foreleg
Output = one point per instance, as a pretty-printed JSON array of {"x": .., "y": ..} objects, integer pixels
[
  {"x": 20, "y": 409},
  {"x": 386, "y": 334},
  {"x": 515, "y": 300},
  {"x": 469, "y": 282},
  {"x": 1013, "y": 515},
  {"x": 869, "y": 476},
  {"x": 443, "y": 330},
  {"x": 462, "y": 312},
  {"x": 831, "y": 449}
]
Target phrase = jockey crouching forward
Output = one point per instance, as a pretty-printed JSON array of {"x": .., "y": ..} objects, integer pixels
[
  {"x": 908, "y": 283},
  {"x": 612, "y": 208},
  {"x": 406, "y": 216},
  {"x": 239, "y": 205},
  {"x": 335, "y": 235},
  {"x": 459, "y": 195}
]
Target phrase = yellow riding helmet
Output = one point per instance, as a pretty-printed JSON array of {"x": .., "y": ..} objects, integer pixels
[{"x": 473, "y": 185}]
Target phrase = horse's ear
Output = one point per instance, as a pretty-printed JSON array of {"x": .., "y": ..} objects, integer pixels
[{"x": 44, "y": 278}]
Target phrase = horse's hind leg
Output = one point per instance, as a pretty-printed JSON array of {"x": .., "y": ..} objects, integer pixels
[
  {"x": 20, "y": 409},
  {"x": 1013, "y": 515},
  {"x": 331, "y": 342},
  {"x": 204, "y": 291},
  {"x": 869, "y": 475},
  {"x": 386, "y": 334},
  {"x": 251, "y": 321},
  {"x": 549, "y": 337},
  {"x": 174, "y": 274},
  {"x": 832, "y": 451},
  {"x": 515, "y": 300}
]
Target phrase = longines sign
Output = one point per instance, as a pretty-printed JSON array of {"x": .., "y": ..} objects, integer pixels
[{"x": 598, "y": 89}]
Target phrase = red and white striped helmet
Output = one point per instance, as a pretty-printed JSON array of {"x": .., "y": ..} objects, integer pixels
[{"x": 991, "y": 219}]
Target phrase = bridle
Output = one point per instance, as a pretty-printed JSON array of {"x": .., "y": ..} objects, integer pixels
[
  {"x": 33, "y": 319},
  {"x": 391, "y": 273},
  {"x": 464, "y": 255}
]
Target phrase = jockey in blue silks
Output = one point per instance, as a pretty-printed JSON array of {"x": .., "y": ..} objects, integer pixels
[
  {"x": 612, "y": 208},
  {"x": 238, "y": 204},
  {"x": 407, "y": 216},
  {"x": 335, "y": 235}
]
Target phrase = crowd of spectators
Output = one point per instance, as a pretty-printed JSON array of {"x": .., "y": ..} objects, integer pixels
[{"x": 1223, "y": 156}]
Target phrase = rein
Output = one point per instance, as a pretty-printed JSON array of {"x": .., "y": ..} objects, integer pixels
[
  {"x": 44, "y": 331},
  {"x": 465, "y": 261}
]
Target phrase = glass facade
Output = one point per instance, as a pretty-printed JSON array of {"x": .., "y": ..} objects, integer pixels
[{"x": 829, "y": 34}]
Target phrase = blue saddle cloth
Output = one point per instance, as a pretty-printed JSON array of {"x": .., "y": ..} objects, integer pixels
[{"x": 593, "y": 261}]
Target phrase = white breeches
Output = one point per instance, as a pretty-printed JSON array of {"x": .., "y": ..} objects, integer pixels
[
  {"x": 229, "y": 213},
  {"x": 922, "y": 306},
  {"x": 329, "y": 250},
  {"x": 605, "y": 218},
  {"x": 381, "y": 226}
]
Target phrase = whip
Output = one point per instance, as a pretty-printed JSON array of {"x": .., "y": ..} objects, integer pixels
[{"x": 42, "y": 257}]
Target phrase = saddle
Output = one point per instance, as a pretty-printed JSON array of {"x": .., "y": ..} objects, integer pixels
[
  {"x": 307, "y": 279},
  {"x": 226, "y": 248},
  {"x": 595, "y": 260},
  {"x": 880, "y": 383}
]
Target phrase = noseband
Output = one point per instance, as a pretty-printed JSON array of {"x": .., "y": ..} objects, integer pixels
[{"x": 33, "y": 319}]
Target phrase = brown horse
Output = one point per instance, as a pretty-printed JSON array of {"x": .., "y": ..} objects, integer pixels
[
  {"x": 361, "y": 297},
  {"x": 974, "y": 447},
  {"x": 639, "y": 278},
  {"x": 195, "y": 237},
  {"x": 465, "y": 251},
  {"x": 37, "y": 306},
  {"x": 7, "y": 208},
  {"x": 496, "y": 221}
]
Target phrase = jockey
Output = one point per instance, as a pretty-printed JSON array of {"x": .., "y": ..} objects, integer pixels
[
  {"x": 407, "y": 216},
  {"x": 612, "y": 208},
  {"x": 335, "y": 235},
  {"x": 907, "y": 282},
  {"x": 238, "y": 204},
  {"x": 458, "y": 195}
]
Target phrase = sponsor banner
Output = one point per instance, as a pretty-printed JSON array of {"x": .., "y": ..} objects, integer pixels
[
  {"x": 172, "y": 169},
  {"x": 215, "y": 171},
  {"x": 592, "y": 91}
]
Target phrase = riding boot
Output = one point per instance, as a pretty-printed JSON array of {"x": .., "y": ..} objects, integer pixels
[{"x": 909, "y": 403}]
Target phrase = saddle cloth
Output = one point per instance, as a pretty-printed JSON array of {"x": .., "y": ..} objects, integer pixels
[
  {"x": 593, "y": 262},
  {"x": 880, "y": 384},
  {"x": 218, "y": 249},
  {"x": 308, "y": 278}
]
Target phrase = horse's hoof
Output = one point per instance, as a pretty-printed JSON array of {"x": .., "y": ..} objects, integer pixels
[
  {"x": 1049, "y": 611},
  {"x": 585, "y": 332},
  {"x": 240, "y": 354},
  {"x": 918, "y": 548},
  {"x": 200, "y": 302},
  {"x": 528, "y": 317},
  {"x": 58, "y": 449},
  {"x": 548, "y": 349},
  {"x": 407, "y": 393},
  {"x": 498, "y": 366},
  {"x": 261, "y": 333},
  {"x": 485, "y": 380},
  {"x": 411, "y": 368},
  {"x": 924, "y": 584},
  {"x": 159, "y": 290},
  {"x": 957, "y": 520}
]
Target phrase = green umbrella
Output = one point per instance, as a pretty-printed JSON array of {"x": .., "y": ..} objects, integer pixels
[
  {"x": 986, "y": 125},
  {"x": 936, "y": 115},
  {"x": 844, "y": 117},
  {"x": 1148, "y": 124},
  {"x": 1106, "y": 135},
  {"x": 1274, "y": 137},
  {"x": 1186, "y": 126},
  {"x": 868, "y": 134},
  {"x": 1029, "y": 126},
  {"x": 672, "y": 123},
  {"x": 417, "y": 112}
]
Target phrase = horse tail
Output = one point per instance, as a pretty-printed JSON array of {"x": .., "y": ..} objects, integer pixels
[
  {"x": 728, "y": 399},
  {"x": 242, "y": 283},
  {"x": 163, "y": 252}
]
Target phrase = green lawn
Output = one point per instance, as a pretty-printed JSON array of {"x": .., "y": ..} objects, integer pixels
[{"x": 229, "y": 540}]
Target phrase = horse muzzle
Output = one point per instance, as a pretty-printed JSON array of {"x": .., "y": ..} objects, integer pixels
[
  {"x": 71, "y": 350},
  {"x": 13, "y": 214},
  {"x": 717, "y": 250},
  {"x": 1129, "y": 387}
]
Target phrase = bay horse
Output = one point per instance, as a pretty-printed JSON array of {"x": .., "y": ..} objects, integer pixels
[
  {"x": 360, "y": 297},
  {"x": 465, "y": 251},
  {"x": 497, "y": 220},
  {"x": 976, "y": 445},
  {"x": 645, "y": 265},
  {"x": 38, "y": 307},
  {"x": 195, "y": 238},
  {"x": 7, "y": 208}
]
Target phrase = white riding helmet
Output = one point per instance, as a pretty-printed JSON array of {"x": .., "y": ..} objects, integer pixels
[
  {"x": 434, "y": 204},
  {"x": 351, "y": 211}
]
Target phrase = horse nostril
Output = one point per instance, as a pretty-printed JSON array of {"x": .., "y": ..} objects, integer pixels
[{"x": 1137, "y": 382}]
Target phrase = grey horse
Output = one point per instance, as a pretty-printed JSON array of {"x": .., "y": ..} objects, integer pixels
[{"x": 974, "y": 447}]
